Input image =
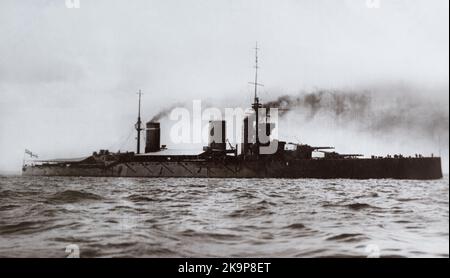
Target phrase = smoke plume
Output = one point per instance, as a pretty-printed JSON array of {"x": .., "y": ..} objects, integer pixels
[
  {"x": 372, "y": 111},
  {"x": 377, "y": 111},
  {"x": 165, "y": 112}
]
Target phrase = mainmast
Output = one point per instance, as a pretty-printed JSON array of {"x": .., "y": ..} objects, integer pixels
[
  {"x": 256, "y": 105},
  {"x": 138, "y": 125}
]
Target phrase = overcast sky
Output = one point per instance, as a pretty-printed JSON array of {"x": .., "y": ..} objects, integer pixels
[{"x": 68, "y": 77}]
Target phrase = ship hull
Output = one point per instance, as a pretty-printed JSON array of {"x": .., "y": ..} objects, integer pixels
[{"x": 385, "y": 168}]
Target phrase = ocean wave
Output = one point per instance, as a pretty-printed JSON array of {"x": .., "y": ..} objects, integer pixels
[
  {"x": 360, "y": 206},
  {"x": 72, "y": 196},
  {"x": 6, "y": 194},
  {"x": 296, "y": 226},
  {"x": 260, "y": 210},
  {"x": 209, "y": 235},
  {"x": 19, "y": 227},
  {"x": 139, "y": 198},
  {"x": 8, "y": 207},
  {"x": 347, "y": 237}
]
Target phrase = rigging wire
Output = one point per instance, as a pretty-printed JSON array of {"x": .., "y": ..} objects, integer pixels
[{"x": 121, "y": 143}]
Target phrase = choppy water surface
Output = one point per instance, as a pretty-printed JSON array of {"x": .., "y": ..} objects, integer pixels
[{"x": 126, "y": 217}]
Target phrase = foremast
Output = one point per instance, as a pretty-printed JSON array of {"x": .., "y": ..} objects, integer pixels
[
  {"x": 256, "y": 105},
  {"x": 138, "y": 125}
]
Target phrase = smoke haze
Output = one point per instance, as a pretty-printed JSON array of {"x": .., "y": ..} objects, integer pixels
[{"x": 374, "y": 111}]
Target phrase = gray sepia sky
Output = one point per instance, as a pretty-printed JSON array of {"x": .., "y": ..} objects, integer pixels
[{"x": 68, "y": 77}]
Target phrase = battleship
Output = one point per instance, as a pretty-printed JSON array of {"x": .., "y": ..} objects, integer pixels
[{"x": 220, "y": 159}]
